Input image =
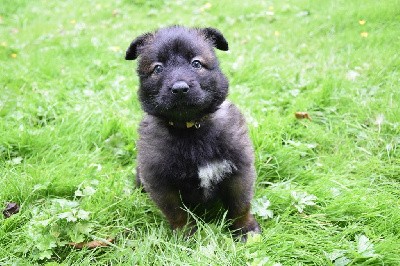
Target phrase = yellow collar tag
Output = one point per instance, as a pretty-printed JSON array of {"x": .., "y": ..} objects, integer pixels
[{"x": 189, "y": 124}]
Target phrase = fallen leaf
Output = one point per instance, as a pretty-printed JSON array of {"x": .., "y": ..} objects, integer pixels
[
  {"x": 11, "y": 208},
  {"x": 361, "y": 22},
  {"x": 302, "y": 115},
  {"x": 364, "y": 34},
  {"x": 92, "y": 244}
]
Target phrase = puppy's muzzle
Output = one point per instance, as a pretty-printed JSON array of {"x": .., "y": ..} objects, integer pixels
[{"x": 180, "y": 88}]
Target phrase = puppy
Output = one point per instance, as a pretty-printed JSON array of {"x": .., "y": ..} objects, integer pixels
[{"x": 194, "y": 146}]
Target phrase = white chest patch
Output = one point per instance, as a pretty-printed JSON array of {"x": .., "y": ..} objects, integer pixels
[{"x": 214, "y": 172}]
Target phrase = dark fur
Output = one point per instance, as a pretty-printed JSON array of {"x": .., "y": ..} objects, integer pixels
[{"x": 169, "y": 156}]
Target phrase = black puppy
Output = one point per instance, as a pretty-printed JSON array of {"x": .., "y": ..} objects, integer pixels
[{"x": 194, "y": 146}]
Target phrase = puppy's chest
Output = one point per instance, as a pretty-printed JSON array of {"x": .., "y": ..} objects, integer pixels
[
  {"x": 206, "y": 160},
  {"x": 214, "y": 172}
]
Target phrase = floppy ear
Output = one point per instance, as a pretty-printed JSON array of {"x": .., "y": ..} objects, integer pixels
[
  {"x": 133, "y": 50},
  {"x": 217, "y": 38}
]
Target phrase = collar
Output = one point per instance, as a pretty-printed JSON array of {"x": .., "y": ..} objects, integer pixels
[{"x": 190, "y": 124}]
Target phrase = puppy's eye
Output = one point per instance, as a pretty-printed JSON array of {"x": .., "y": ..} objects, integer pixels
[
  {"x": 158, "y": 69},
  {"x": 196, "y": 64}
]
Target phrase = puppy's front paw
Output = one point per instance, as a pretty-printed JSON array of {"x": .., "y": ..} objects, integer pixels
[{"x": 250, "y": 227}]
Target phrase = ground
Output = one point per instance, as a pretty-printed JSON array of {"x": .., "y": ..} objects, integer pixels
[{"x": 328, "y": 187}]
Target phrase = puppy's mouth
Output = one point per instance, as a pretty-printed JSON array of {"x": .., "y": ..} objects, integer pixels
[
  {"x": 181, "y": 104},
  {"x": 182, "y": 108}
]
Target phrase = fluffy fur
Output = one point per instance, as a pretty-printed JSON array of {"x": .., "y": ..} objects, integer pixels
[{"x": 181, "y": 85}]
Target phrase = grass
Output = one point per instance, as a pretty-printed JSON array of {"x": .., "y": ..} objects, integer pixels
[{"x": 69, "y": 115}]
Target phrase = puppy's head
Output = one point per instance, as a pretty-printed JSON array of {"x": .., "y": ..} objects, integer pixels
[{"x": 180, "y": 78}]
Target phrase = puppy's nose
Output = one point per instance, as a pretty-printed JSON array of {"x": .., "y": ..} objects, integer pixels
[{"x": 180, "y": 87}]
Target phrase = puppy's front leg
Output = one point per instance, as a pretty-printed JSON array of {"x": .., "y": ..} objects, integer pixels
[
  {"x": 237, "y": 193},
  {"x": 168, "y": 200}
]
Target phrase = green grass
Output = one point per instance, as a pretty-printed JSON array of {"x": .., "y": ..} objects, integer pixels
[{"x": 69, "y": 115}]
